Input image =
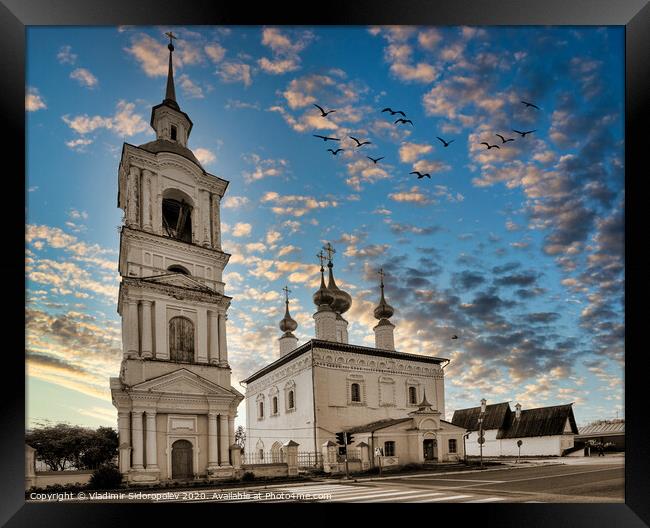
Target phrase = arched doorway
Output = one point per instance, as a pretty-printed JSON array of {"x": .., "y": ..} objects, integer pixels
[
  {"x": 430, "y": 447},
  {"x": 182, "y": 460},
  {"x": 277, "y": 452}
]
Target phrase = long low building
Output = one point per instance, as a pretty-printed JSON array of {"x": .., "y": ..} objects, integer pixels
[
  {"x": 543, "y": 431},
  {"x": 603, "y": 432}
]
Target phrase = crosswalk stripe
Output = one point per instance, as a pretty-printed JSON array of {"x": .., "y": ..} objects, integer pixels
[
  {"x": 347, "y": 497},
  {"x": 454, "y": 497},
  {"x": 418, "y": 495},
  {"x": 489, "y": 499},
  {"x": 320, "y": 489}
]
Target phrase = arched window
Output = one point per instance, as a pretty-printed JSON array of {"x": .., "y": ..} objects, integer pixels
[
  {"x": 177, "y": 219},
  {"x": 181, "y": 339},
  {"x": 176, "y": 268},
  {"x": 275, "y": 405},
  {"x": 413, "y": 395},
  {"x": 292, "y": 403},
  {"x": 355, "y": 392},
  {"x": 174, "y": 133}
]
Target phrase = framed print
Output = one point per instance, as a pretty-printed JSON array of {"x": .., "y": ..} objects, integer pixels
[{"x": 371, "y": 255}]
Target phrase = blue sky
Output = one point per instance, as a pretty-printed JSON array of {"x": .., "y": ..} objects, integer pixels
[{"x": 517, "y": 250}]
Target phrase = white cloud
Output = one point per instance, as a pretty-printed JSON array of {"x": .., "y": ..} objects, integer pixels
[
  {"x": 231, "y": 72},
  {"x": 65, "y": 55},
  {"x": 124, "y": 122},
  {"x": 204, "y": 155},
  {"x": 189, "y": 87},
  {"x": 241, "y": 229},
  {"x": 264, "y": 168},
  {"x": 33, "y": 100},
  {"x": 84, "y": 77},
  {"x": 215, "y": 52},
  {"x": 235, "y": 202},
  {"x": 409, "y": 152},
  {"x": 78, "y": 144}
]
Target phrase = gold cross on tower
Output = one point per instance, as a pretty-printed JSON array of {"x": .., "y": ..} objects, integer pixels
[
  {"x": 321, "y": 257},
  {"x": 381, "y": 274},
  {"x": 286, "y": 291},
  {"x": 171, "y": 36},
  {"x": 329, "y": 250}
]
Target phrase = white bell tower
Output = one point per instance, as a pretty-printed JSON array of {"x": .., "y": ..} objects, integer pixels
[{"x": 176, "y": 406}]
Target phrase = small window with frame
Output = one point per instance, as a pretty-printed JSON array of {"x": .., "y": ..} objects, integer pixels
[{"x": 174, "y": 133}]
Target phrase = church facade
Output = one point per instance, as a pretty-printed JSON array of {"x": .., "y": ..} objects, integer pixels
[
  {"x": 328, "y": 385},
  {"x": 176, "y": 406}
]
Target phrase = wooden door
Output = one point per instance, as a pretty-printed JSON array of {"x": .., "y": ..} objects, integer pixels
[
  {"x": 182, "y": 463},
  {"x": 428, "y": 446},
  {"x": 181, "y": 340}
]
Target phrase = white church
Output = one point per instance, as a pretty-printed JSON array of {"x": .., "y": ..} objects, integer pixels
[
  {"x": 176, "y": 406},
  {"x": 391, "y": 401}
]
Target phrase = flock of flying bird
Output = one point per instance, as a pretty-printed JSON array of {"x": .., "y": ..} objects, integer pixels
[{"x": 403, "y": 121}]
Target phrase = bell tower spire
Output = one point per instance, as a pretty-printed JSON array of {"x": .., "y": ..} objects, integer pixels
[
  {"x": 170, "y": 92},
  {"x": 384, "y": 330}
]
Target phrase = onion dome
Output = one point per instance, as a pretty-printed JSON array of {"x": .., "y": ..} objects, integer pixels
[
  {"x": 287, "y": 324},
  {"x": 342, "y": 299},
  {"x": 384, "y": 310},
  {"x": 323, "y": 296}
]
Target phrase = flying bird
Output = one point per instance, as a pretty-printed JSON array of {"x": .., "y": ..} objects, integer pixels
[
  {"x": 420, "y": 175},
  {"x": 325, "y": 138},
  {"x": 454, "y": 337},
  {"x": 393, "y": 112},
  {"x": 323, "y": 113},
  {"x": 359, "y": 143},
  {"x": 530, "y": 104},
  {"x": 375, "y": 160},
  {"x": 402, "y": 120},
  {"x": 446, "y": 143},
  {"x": 523, "y": 134},
  {"x": 335, "y": 152},
  {"x": 504, "y": 140},
  {"x": 490, "y": 146}
]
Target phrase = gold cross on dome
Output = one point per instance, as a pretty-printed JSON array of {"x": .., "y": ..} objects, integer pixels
[
  {"x": 286, "y": 291},
  {"x": 321, "y": 257},
  {"x": 329, "y": 250},
  {"x": 171, "y": 36}
]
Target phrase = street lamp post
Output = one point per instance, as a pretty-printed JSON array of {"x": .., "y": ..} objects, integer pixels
[{"x": 481, "y": 438}]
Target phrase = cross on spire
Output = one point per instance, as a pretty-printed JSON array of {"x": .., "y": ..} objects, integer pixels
[
  {"x": 329, "y": 250},
  {"x": 286, "y": 291},
  {"x": 172, "y": 37},
  {"x": 321, "y": 257},
  {"x": 381, "y": 274}
]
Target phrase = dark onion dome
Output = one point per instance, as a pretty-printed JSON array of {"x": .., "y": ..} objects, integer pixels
[
  {"x": 342, "y": 299},
  {"x": 323, "y": 296},
  {"x": 384, "y": 310},
  {"x": 287, "y": 324}
]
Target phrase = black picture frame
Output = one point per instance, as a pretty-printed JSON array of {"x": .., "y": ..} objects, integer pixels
[{"x": 15, "y": 15}]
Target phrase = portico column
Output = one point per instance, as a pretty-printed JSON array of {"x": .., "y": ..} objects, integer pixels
[
  {"x": 125, "y": 441},
  {"x": 146, "y": 329},
  {"x": 213, "y": 440},
  {"x": 146, "y": 200},
  {"x": 216, "y": 222},
  {"x": 132, "y": 328},
  {"x": 132, "y": 203},
  {"x": 136, "y": 431},
  {"x": 213, "y": 320},
  {"x": 152, "y": 454},
  {"x": 223, "y": 346},
  {"x": 206, "y": 228},
  {"x": 231, "y": 430},
  {"x": 223, "y": 440}
]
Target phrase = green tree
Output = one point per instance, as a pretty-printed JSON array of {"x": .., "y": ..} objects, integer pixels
[{"x": 62, "y": 446}]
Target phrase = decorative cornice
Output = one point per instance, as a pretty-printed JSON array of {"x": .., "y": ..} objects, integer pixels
[
  {"x": 171, "y": 243},
  {"x": 132, "y": 285}
]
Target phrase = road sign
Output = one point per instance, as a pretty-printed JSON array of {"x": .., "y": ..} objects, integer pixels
[
  {"x": 481, "y": 439},
  {"x": 519, "y": 442}
]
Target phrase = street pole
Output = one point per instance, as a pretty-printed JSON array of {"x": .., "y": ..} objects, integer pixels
[
  {"x": 345, "y": 442},
  {"x": 480, "y": 434}
]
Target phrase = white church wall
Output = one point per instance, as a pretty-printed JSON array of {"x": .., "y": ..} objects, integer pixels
[
  {"x": 288, "y": 424},
  {"x": 491, "y": 447},
  {"x": 532, "y": 446}
]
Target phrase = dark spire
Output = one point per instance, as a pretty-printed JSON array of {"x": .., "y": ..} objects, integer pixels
[
  {"x": 322, "y": 297},
  {"x": 384, "y": 310},
  {"x": 342, "y": 299},
  {"x": 287, "y": 324},
  {"x": 170, "y": 92}
]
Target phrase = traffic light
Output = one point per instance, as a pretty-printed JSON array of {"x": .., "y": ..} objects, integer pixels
[
  {"x": 350, "y": 438},
  {"x": 340, "y": 439}
]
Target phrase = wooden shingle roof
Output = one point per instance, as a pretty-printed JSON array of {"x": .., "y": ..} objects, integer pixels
[
  {"x": 495, "y": 417},
  {"x": 543, "y": 421}
]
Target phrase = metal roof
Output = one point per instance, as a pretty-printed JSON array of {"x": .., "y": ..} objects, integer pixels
[{"x": 605, "y": 428}]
